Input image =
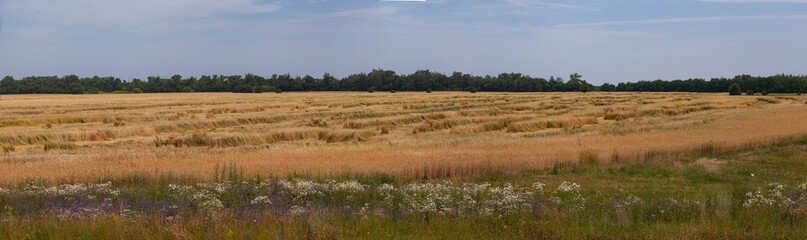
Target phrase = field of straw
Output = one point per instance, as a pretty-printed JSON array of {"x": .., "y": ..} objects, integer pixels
[{"x": 96, "y": 138}]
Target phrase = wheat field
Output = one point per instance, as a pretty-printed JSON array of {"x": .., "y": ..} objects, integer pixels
[{"x": 93, "y": 138}]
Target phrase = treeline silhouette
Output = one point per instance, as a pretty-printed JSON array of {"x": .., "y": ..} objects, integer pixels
[{"x": 385, "y": 80}]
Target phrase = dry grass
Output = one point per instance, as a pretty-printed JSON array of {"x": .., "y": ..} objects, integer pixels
[{"x": 408, "y": 135}]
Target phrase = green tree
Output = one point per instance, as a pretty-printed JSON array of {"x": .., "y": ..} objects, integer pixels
[
  {"x": 607, "y": 87},
  {"x": 242, "y": 89},
  {"x": 584, "y": 87},
  {"x": 734, "y": 89}
]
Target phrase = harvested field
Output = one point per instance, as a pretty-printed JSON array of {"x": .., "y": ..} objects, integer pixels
[{"x": 92, "y": 138}]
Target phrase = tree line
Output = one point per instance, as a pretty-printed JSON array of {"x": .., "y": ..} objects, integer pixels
[{"x": 384, "y": 80}]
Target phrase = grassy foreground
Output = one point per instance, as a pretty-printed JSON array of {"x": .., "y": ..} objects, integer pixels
[{"x": 760, "y": 194}]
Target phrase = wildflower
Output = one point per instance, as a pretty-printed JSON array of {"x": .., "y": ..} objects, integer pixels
[
  {"x": 221, "y": 187},
  {"x": 388, "y": 188},
  {"x": 538, "y": 186},
  {"x": 297, "y": 210},
  {"x": 568, "y": 187},
  {"x": 211, "y": 204},
  {"x": 349, "y": 186},
  {"x": 261, "y": 200}
]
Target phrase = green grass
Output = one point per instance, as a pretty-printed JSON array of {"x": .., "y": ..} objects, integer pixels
[{"x": 719, "y": 184}]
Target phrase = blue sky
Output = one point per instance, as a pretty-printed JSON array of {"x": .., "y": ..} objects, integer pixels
[{"x": 604, "y": 40}]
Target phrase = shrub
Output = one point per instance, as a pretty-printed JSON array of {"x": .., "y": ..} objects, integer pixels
[
  {"x": 92, "y": 91},
  {"x": 393, "y": 91},
  {"x": 187, "y": 89},
  {"x": 278, "y": 90},
  {"x": 749, "y": 93},
  {"x": 734, "y": 89},
  {"x": 371, "y": 89},
  {"x": 59, "y": 145},
  {"x": 137, "y": 90},
  {"x": 765, "y": 93},
  {"x": 473, "y": 90},
  {"x": 429, "y": 90}
]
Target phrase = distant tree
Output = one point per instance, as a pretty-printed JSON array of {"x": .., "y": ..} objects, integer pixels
[
  {"x": 263, "y": 89},
  {"x": 93, "y": 91},
  {"x": 584, "y": 87},
  {"x": 385, "y": 80},
  {"x": 734, "y": 89},
  {"x": 607, "y": 87},
  {"x": 242, "y": 89}
]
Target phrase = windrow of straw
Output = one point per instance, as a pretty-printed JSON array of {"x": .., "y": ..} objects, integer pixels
[
  {"x": 480, "y": 128},
  {"x": 202, "y": 139},
  {"x": 346, "y": 135},
  {"x": 97, "y": 135},
  {"x": 393, "y": 121},
  {"x": 493, "y": 122},
  {"x": 533, "y": 126},
  {"x": 663, "y": 111}
]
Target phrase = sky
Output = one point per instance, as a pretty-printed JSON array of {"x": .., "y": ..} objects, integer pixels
[{"x": 603, "y": 40}]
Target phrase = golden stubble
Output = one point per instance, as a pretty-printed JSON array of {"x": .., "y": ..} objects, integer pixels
[{"x": 407, "y": 135}]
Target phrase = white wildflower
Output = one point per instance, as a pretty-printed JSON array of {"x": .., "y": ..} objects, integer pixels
[
  {"x": 757, "y": 198},
  {"x": 568, "y": 187},
  {"x": 629, "y": 201},
  {"x": 221, "y": 187},
  {"x": 389, "y": 188},
  {"x": 261, "y": 200},
  {"x": 538, "y": 186},
  {"x": 349, "y": 186},
  {"x": 297, "y": 210},
  {"x": 211, "y": 204},
  {"x": 363, "y": 212}
]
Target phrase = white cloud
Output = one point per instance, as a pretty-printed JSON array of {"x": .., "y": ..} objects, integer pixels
[{"x": 128, "y": 13}]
